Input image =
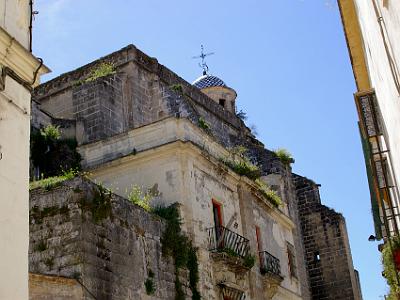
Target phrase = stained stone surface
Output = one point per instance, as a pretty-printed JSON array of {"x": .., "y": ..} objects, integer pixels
[{"x": 111, "y": 257}]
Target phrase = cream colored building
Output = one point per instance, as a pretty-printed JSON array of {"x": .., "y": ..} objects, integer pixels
[
  {"x": 140, "y": 124},
  {"x": 20, "y": 71},
  {"x": 160, "y": 142},
  {"x": 372, "y": 30},
  {"x": 170, "y": 156}
]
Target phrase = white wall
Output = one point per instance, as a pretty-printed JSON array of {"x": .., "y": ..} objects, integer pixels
[
  {"x": 14, "y": 196},
  {"x": 14, "y": 18},
  {"x": 14, "y": 148},
  {"x": 379, "y": 68}
]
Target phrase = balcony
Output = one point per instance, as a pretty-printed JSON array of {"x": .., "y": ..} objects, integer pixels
[
  {"x": 269, "y": 264},
  {"x": 221, "y": 239},
  {"x": 229, "y": 251},
  {"x": 270, "y": 268}
]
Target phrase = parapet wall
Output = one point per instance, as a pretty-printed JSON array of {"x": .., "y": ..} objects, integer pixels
[
  {"x": 110, "y": 245},
  {"x": 120, "y": 59}
]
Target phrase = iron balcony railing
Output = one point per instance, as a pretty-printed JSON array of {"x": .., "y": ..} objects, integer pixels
[
  {"x": 269, "y": 263},
  {"x": 223, "y": 239}
]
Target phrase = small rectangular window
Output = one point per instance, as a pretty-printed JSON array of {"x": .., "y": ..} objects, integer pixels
[
  {"x": 317, "y": 257},
  {"x": 259, "y": 241},
  {"x": 291, "y": 260},
  {"x": 222, "y": 102}
]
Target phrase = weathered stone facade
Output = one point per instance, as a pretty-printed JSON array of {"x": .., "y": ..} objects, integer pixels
[
  {"x": 327, "y": 248},
  {"x": 146, "y": 126},
  {"x": 143, "y": 87},
  {"x": 108, "y": 250}
]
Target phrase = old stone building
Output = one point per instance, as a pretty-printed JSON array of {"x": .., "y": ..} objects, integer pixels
[
  {"x": 136, "y": 123},
  {"x": 327, "y": 247}
]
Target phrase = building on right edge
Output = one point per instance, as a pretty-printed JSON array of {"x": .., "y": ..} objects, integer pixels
[{"x": 372, "y": 30}]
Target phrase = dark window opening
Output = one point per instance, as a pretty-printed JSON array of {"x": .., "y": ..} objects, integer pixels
[
  {"x": 258, "y": 236},
  {"x": 317, "y": 257},
  {"x": 222, "y": 102},
  {"x": 217, "y": 212}
]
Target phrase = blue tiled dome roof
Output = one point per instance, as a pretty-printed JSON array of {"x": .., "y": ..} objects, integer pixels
[{"x": 206, "y": 81}]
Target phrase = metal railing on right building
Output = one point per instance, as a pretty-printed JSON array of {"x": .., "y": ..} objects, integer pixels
[{"x": 384, "y": 192}]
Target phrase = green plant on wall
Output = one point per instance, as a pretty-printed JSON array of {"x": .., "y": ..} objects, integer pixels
[
  {"x": 178, "y": 246},
  {"x": 269, "y": 194},
  {"x": 238, "y": 161},
  {"x": 177, "y": 88},
  {"x": 142, "y": 198},
  {"x": 101, "y": 203},
  {"x": 150, "y": 286},
  {"x": 391, "y": 255},
  {"x": 249, "y": 261},
  {"x": 284, "y": 156},
  {"x": 102, "y": 70},
  {"x": 51, "y": 154},
  {"x": 99, "y": 71},
  {"x": 229, "y": 252},
  {"x": 239, "y": 151},
  {"x": 54, "y": 181},
  {"x": 204, "y": 125},
  {"x": 51, "y": 132}
]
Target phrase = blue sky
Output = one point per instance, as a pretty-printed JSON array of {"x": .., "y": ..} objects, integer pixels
[{"x": 287, "y": 60}]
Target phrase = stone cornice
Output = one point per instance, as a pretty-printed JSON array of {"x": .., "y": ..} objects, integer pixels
[
  {"x": 178, "y": 135},
  {"x": 14, "y": 56}
]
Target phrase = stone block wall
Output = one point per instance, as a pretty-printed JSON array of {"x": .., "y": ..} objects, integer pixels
[
  {"x": 98, "y": 105},
  {"x": 327, "y": 250},
  {"x": 138, "y": 94},
  {"x": 110, "y": 245},
  {"x": 289, "y": 194}
]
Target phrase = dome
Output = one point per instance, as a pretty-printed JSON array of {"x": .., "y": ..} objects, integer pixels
[
  {"x": 217, "y": 90},
  {"x": 207, "y": 81}
]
